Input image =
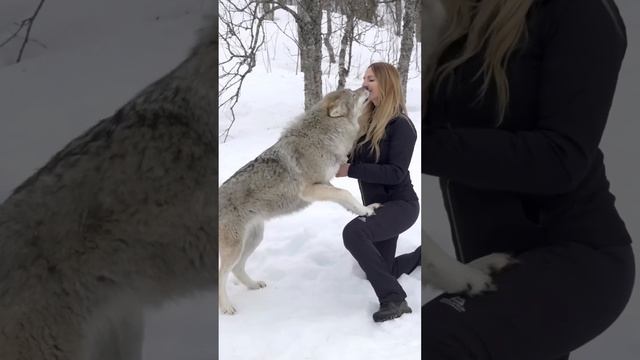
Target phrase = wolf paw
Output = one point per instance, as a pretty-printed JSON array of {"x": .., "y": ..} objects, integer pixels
[
  {"x": 463, "y": 279},
  {"x": 257, "y": 285},
  {"x": 478, "y": 283},
  {"x": 370, "y": 209},
  {"x": 493, "y": 263},
  {"x": 228, "y": 309}
]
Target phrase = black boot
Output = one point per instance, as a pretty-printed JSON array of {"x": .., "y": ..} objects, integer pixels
[{"x": 391, "y": 310}]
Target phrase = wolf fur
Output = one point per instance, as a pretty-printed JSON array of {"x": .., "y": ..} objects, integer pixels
[
  {"x": 446, "y": 273},
  {"x": 124, "y": 216},
  {"x": 285, "y": 178}
]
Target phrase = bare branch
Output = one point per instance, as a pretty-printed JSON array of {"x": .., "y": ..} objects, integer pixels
[
  {"x": 15, "y": 33},
  {"x": 26, "y": 38},
  {"x": 28, "y": 23},
  {"x": 327, "y": 40},
  {"x": 241, "y": 53}
]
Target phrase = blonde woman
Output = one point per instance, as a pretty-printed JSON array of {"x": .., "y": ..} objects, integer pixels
[
  {"x": 380, "y": 161},
  {"x": 518, "y": 99}
]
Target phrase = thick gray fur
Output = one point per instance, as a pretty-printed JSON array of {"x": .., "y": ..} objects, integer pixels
[
  {"x": 124, "y": 216},
  {"x": 285, "y": 178}
]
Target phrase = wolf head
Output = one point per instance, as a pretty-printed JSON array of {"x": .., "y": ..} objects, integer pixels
[{"x": 346, "y": 103}]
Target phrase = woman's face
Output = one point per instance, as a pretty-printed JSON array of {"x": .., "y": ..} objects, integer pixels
[{"x": 370, "y": 83}]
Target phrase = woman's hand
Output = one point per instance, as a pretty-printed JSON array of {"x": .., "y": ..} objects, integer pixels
[{"x": 343, "y": 171}]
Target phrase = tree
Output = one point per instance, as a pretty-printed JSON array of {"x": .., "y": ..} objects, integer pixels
[
  {"x": 364, "y": 10},
  {"x": 266, "y": 10},
  {"x": 327, "y": 37},
  {"x": 308, "y": 18},
  {"x": 419, "y": 14},
  {"x": 398, "y": 16},
  {"x": 309, "y": 21},
  {"x": 406, "y": 44},
  {"x": 346, "y": 44},
  {"x": 362, "y": 24},
  {"x": 240, "y": 36}
]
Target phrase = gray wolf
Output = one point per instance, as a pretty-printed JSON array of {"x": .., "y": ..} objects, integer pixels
[
  {"x": 124, "y": 216},
  {"x": 285, "y": 178}
]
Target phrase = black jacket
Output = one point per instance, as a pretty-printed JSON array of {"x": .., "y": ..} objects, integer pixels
[
  {"x": 388, "y": 179},
  {"x": 538, "y": 177}
]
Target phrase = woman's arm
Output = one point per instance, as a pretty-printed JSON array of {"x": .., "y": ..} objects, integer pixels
[
  {"x": 579, "y": 72},
  {"x": 402, "y": 140}
]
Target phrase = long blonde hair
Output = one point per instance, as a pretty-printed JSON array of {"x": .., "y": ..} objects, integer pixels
[
  {"x": 495, "y": 27},
  {"x": 391, "y": 104}
]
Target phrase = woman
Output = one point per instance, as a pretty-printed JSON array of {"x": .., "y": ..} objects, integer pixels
[
  {"x": 517, "y": 104},
  {"x": 380, "y": 161}
]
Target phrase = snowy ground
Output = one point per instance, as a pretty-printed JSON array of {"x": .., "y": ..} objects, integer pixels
[{"x": 317, "y": 305}]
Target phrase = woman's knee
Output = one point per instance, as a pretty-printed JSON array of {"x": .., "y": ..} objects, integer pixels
[{"x": 353, "y": 234}]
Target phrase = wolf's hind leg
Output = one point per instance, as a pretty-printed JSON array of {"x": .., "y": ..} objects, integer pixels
[
  {"x": 253, "y": 239},
  {"x": 328, "y": 192}
]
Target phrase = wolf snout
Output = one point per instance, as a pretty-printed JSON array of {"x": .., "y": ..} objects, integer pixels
[{"x": 364, "y": 92}]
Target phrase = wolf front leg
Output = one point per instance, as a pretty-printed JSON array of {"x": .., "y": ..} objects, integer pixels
[{"x": 328, "y": 192}]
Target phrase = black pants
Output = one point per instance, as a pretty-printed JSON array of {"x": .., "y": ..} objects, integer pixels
[
  {"x": 372, "y": 242},
  {"x": 558, "y": 298}
]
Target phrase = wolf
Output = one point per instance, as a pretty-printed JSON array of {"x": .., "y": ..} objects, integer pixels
[
  {"x": 124, "y": 216},
  {"x": 287, "y": 177}
]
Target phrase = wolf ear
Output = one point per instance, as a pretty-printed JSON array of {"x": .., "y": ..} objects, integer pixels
[{"x": 337, "y": 108}]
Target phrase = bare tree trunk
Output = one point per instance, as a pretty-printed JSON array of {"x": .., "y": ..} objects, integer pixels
[
  {"x": 364, "y": 10},
  {"x": 327, "y": 39},
  {"x": 406, "y": 44},
  {"x": 266, "y": 10},
  {"x": 310, "y": 43},
  {"x": 398, "y": 17},
  {"x": 419, "y": 10},
  {"x": 346, "y": 42}
]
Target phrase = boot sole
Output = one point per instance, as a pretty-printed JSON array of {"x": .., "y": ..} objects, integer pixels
[{"x": 391, "y": 317}]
